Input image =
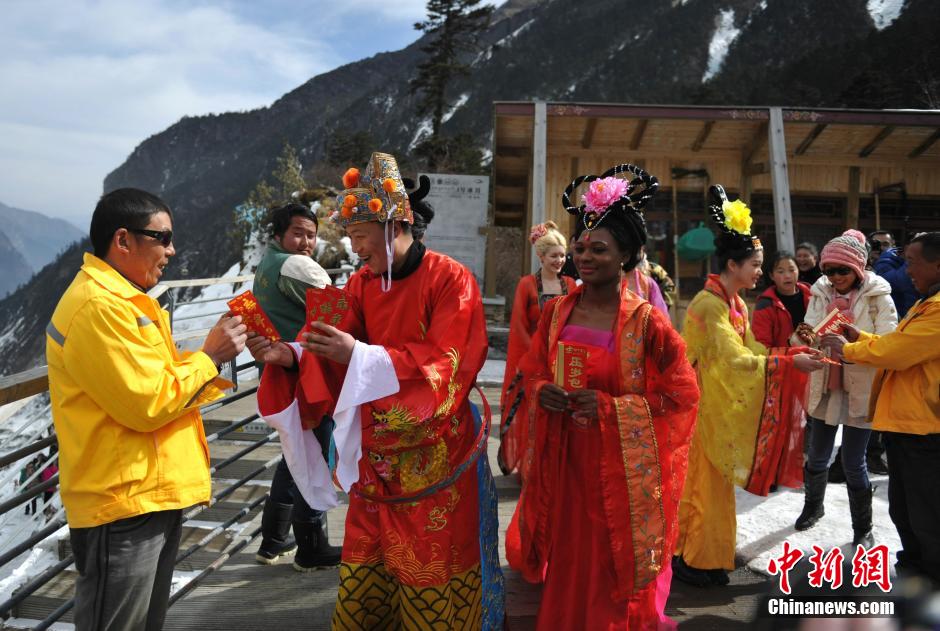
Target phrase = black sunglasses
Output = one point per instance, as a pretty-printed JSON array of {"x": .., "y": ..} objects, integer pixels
[
  {"x": 841, "y": 271},
  {"x": 165, "y": 237}
]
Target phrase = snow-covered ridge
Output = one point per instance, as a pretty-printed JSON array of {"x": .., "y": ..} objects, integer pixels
[
  {"x": 725, "y": 34},
  {"x": 884, "y": 12}
]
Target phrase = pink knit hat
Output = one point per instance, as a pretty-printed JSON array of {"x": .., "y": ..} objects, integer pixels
[{"x": 848, "y": 250}]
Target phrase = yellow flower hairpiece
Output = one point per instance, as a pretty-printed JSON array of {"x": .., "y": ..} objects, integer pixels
[{"x": 737, "y": 216}]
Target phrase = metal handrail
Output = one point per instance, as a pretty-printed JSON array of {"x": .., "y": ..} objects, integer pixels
[
  {"x": 33, "y": 584},
  {"x": 32, "y": 540},
  {"x": 202, "y": 543},
  {"x": 212, "y": 567},
  {"x": 28, "y": 494},
  {"x": 28, "y": 450},
  {"x": 37, "y": 582},
  {"x": 244, "y": 452}
]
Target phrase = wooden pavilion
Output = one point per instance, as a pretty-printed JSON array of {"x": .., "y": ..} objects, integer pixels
[{"x": 807, "y": 173}]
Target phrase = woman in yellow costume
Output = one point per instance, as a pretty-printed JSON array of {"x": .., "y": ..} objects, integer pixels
[{"x": 747, "y": 432}]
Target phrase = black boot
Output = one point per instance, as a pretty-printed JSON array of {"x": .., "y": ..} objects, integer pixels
[
  {"x": 275, "y": 530},
  {"x": 876, "y": 464},
  {"x": 814, "y": 485},
  {"x": 314, "y": 551},
  {"x": 691, "y": 575},
  {"x": 860, "y": 508}
]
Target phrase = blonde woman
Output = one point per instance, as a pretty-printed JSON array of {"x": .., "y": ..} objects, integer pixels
[{"x": 532, "y": 292}]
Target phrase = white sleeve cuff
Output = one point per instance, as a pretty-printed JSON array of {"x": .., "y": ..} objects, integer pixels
[
  {"x": 298, "y": 350},
  {"x": 304, "y": 458},
  {"x": 370, "y": 376}
]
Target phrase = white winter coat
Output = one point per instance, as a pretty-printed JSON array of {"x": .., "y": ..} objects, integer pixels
[{"x": 874, "y": 312}]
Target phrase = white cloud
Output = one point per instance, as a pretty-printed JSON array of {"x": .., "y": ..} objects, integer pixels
[{"x": 84, "y": 82}]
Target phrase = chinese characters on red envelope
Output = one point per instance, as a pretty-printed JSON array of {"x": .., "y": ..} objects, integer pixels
[
  {"x": 571, "y": 366},
  {"x": 832, "y": 323},
  {"x": 246, "y": 305},
  {"x": 329, "y": 304}
]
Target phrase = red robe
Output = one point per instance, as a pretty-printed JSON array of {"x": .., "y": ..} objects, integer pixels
[
  {"x": 639, "y": 467},
  {"x": 526, "y": 310},
  {"x": 431, "y": 324}
]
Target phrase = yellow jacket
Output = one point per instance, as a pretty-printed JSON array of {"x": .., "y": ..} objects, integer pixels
[
  {"x": 124, "y": 402},
  {"x": 905, "y": 394}
]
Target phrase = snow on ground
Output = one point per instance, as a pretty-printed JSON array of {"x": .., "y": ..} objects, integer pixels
[
  {"x": 884, "y": 12},
  {"x": 26, "y": 623},
  {"x": 42, "y": 556},
  {"x": 724, "y": 35},
  {"x": 764, "y": 523}
]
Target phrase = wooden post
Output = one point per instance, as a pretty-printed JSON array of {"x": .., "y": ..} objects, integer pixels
[
  {"x": 539, "y": 157},
  {"x": 783, "y": 218},
  {"x": 877, "y": 205},
  {"x": 851, "y": 206}
]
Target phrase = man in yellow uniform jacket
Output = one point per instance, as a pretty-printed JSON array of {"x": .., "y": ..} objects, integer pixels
[
  {"x": 905, "y": 404},
  {"x": 125, "y": 404}
]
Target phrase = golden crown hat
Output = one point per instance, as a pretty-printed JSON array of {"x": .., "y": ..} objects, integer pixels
[{"x": 377, "y": 195}]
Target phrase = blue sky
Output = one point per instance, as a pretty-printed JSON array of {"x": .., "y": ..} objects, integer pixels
[{"x": 83, "y": 82}]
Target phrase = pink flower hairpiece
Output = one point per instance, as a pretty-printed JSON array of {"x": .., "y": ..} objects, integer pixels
[
  {"x": 537, "y": 232},
  {"x": 604, "y": 192}
]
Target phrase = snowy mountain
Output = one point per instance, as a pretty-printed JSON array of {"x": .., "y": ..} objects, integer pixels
[{"x": 856, "y": 53}]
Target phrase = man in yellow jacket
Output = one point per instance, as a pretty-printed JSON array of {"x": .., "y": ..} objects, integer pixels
[
  {"x": 125, "y": 403},
  {"x": 905, "y": 404}
]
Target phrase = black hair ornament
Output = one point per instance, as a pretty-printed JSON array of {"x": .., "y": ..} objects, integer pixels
[
  {"x": 733, "y": 220},
  {"x": 416, "y": 194},
  {"x": 636, "y": 193}
]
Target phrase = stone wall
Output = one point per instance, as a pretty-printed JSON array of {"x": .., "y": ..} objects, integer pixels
[{"x": 507, "y": 247}]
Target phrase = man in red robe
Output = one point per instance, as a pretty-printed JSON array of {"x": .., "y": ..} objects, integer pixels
[{"x": 396, "y": 372}]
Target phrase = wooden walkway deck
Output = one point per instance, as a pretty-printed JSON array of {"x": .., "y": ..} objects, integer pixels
[{"x": 243, "y": 595}]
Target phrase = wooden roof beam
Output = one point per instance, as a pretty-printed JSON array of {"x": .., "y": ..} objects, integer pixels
[
  {"x": 924, "y": 146},
  {"x": 588, "y": 138},
  {"x": 703, "y": 136},
  {"x": 810, "y": 138},
  {"x": 877, "y": 140},
  {"x": 755, "y": 143},
  {"x": 638, "y": 134}
]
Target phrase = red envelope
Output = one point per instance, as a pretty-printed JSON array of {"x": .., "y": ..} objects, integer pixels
[
  {"x": 832, "y": 323},
  {"x": 328, "y": 304},
  {"x": 571, "y": 366},
  {"x": 253, "y": 316}
]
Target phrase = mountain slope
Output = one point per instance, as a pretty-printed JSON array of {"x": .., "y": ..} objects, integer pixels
[
  {"x": 37, "y": 237},
  {"x": 16, "y": 269},
  {"x": 28, "y": 242},
  {"x": 752, "y": 52}
]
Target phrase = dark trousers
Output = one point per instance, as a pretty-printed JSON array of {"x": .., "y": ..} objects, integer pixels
[
  {"x": 914, "y": 500},
  {"x": 876, "y": 445},
  {"x": 283, "y": 489},
  {"x": 822, "y": 437},
  {"x": 124, "y": 572}
]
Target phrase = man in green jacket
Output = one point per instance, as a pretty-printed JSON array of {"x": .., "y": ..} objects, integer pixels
[{"x": 281, "y": 282}]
